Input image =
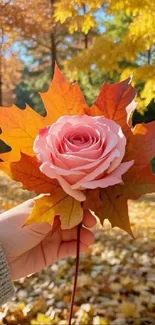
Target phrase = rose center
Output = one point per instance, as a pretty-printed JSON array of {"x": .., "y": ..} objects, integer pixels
[{"x": 79, "y": 139}]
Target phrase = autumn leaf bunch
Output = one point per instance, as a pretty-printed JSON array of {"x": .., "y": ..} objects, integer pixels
[{"x": 114, "y": 102}]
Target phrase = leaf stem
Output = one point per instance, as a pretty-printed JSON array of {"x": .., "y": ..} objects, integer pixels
[{"x": 76, "y": 273}]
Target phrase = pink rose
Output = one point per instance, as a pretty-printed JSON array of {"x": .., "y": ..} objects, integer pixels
[{"x": 82, "y": 152}]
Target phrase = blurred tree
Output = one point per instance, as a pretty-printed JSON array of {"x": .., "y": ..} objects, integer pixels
[
  {"x": 56, "y": 44},
  {"x": 126, "y": 43},
  {"x": 29, "y": 25},
  {"x": 17, "y": 23}
]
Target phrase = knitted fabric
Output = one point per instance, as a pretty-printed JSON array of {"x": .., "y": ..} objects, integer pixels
[{"x": 6, "y": 287}]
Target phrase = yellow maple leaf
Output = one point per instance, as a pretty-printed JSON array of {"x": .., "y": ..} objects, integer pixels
[{"x": 47, "y": 207}]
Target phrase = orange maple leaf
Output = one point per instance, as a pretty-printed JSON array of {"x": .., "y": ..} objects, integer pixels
[
  {"x": 19, "y": 129},
  {"x": 115, "y": 102},
  {"x": 27, "y": 172},
  {"x": 139, "y": 179}
]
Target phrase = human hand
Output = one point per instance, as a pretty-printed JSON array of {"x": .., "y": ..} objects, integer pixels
[{"x": 31, "y": 248}]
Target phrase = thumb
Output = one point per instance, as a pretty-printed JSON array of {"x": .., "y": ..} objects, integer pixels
[{"x": 18, "y": 214}]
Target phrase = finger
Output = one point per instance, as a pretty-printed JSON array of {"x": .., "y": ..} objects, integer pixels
[
  {"x": 86, "y": 235},
  {"x": 88, "y": 219},
  {"x": 48, "y": 251},
  {"x": 69, "y": 249},
  {"x": 40, "y": 257}
]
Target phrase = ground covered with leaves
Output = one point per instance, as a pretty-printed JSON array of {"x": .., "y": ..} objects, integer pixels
[{"x": 116, "y": 283}]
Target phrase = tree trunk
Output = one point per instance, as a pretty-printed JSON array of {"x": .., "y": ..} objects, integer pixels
[
  {"x": 53, "y": 53},
  {"x": 53, "y": 42},
  {"x": 1, "y": 45},
  {"x": 1, "y": 95},
  {"x": 149, "y": 56},
  {"x": 86, "y": 41}
]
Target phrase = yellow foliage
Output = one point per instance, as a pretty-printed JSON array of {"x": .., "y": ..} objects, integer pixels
[
  {"x": 128, "y": 72},
  {"x": 129, "y": 6},
  {"x": 141, "y": 73},
  {"x": 94, "y": 56},
  {"x": 128, "y": 309},
  {"x": 88, "y": 23},
  {"x": 83, "y": 23},
  {"x": 62, "y": 11},
  {"x": 148, "y": 93},
  {"x": 65, "y": 9},
  {"x": 71, "y": 10},
  {"x": 105, "y": 54},
  {"x": 143, "y": 27},
  {"x": 73, "y": 26},
  {"x": 146, "y": 74},
  {"x": 113, "y": 6},
  {"x": 98, "y": 320},
  {"x": 41, "y": 319}
]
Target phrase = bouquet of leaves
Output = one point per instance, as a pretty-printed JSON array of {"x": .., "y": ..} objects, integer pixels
[{"x": 80, "y": 157}]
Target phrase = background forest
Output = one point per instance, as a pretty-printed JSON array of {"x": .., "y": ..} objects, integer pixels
[{"x": 94, "y": 41}]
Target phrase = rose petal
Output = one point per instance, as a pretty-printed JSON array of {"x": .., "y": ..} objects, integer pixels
[
  {"x": 99, "y": 170},
  {"x": 48, "y": 171},
  {"x": 112, "y": 179},
  {"x": 64, "y": 172},
  {"x": 115, "y": 163},
  {"x": 40, "y": 142}
]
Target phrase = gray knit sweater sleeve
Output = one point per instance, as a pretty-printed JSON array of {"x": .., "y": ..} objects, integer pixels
[{"x": 6, "y": 287}]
